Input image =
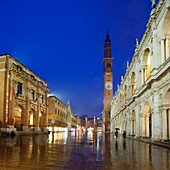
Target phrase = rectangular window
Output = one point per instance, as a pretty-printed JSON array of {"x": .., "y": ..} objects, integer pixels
[
  {"x": 32, "y": 94},
  {"x": 19, "y": 88}
]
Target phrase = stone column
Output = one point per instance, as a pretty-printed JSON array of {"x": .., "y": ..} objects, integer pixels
[
  {"x": 37, "y": 114},
  {"x": 147, "y": 126},
  {"x": 164, "y": 124},
  {"x": 145, "y": 73},
  {"x": 152, "y": 127},
  {"x": 167, "y": 47},
  {"x": 137, "y": 126},
  {"x": 140, "y": 124},
  {"x": 131, "y": 126},
  {"x": 11, "y": 103},
  {"x": 162, "y": 51},
  {"x": 46, "y": 114},
  {"x": 155, "y": 61},
  {"x": 142, "y": 76},
  {"x": 143, "y": 126},
  {"x": 156, "y": 133},
  {"x": 26, "y": 114}
]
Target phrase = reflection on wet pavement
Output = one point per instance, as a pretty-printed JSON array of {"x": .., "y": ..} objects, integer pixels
[{"x": 80, "y": 151}]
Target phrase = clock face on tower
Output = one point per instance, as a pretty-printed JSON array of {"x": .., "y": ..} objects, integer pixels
[{"x": 108, "y": 85}]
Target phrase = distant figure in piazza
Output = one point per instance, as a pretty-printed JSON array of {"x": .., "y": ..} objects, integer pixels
[
  {"x": 124, "y": 134},
  {"x": 116, "y": 134}
]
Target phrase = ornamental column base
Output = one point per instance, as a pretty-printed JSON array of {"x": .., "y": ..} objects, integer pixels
[
  {"x": 26, "y": 129},
  {"x": 45, "y": 129},
  {"x": 137, "y": 136},
  {"x": 37, "y": 129},
  {"x": 156, "y": 135}
]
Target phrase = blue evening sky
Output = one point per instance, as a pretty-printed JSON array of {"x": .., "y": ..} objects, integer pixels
[{"x": 62, "y": 41}]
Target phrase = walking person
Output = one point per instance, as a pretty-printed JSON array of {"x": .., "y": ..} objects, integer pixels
[
  {"x": 124, "y": 134},
  {"x": 116, "y": 134}
]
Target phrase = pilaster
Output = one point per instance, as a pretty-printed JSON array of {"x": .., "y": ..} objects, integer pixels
[
  {"x": 11, "y": 102},
  {"x": 164, "y": 124},
  {"x": 167, "y": 47},
  {"x": 162, "y": 51},
  {"x": 143, "y": 125},
  {"x": 156, "y": 129},
  {"x": 137, "y": 121},
  {"x": 38, "y": 113}
]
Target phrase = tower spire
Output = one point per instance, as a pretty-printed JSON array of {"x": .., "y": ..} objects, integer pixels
[{"x": 107, "y": 36}]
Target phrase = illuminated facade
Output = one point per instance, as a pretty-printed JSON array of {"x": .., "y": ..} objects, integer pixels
[
  {"x": 141, "y": 105},
  {"x": 57, "y": 114},
  {"x": 23, "y": 97},
  {"x": 60, "y": 116}
]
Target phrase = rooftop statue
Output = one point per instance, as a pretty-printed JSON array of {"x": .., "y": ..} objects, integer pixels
[{"x": 153, "y": 3}]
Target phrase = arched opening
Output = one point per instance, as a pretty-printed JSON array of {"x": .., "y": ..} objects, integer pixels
[
  {"x": 146, "y": 65},
  {"x": 165, "y": 44},
  {"x": 133, "y": 83},
  {"x": 166, "y": 116},
  {"x": 18, "y": 117},
  {"x": 42, "y": 119},
  {"x": 147, "y": 120},
  {"x": 32, "y": 119}
]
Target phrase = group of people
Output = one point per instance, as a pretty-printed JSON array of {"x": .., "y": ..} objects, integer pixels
[{"x": 116, "y": 134}]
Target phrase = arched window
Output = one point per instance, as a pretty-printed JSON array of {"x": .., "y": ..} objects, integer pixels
[
  {"x": 146, "y": 65},
  {"x": 165, "y": 42},
  {"x": 108, "y": 65}
]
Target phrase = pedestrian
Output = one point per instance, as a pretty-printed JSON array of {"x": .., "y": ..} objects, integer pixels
[
  {"x": 116, "y": 134},
  {"x": 124, "y": 134}
]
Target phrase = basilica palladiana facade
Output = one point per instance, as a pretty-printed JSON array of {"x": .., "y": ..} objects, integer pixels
[{"x": 141, "y": 105}]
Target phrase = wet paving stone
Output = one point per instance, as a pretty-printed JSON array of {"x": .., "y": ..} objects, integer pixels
[{"x": 80, "y": 152}]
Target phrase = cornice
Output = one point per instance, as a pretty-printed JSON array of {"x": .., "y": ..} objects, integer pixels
[{"x": 26, "y": 76}]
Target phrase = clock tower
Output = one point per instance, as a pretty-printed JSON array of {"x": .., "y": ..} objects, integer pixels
[{"x": 108, "y": 80}]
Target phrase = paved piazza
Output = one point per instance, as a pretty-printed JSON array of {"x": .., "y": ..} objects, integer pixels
[{"x": 62, "y": 151}]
